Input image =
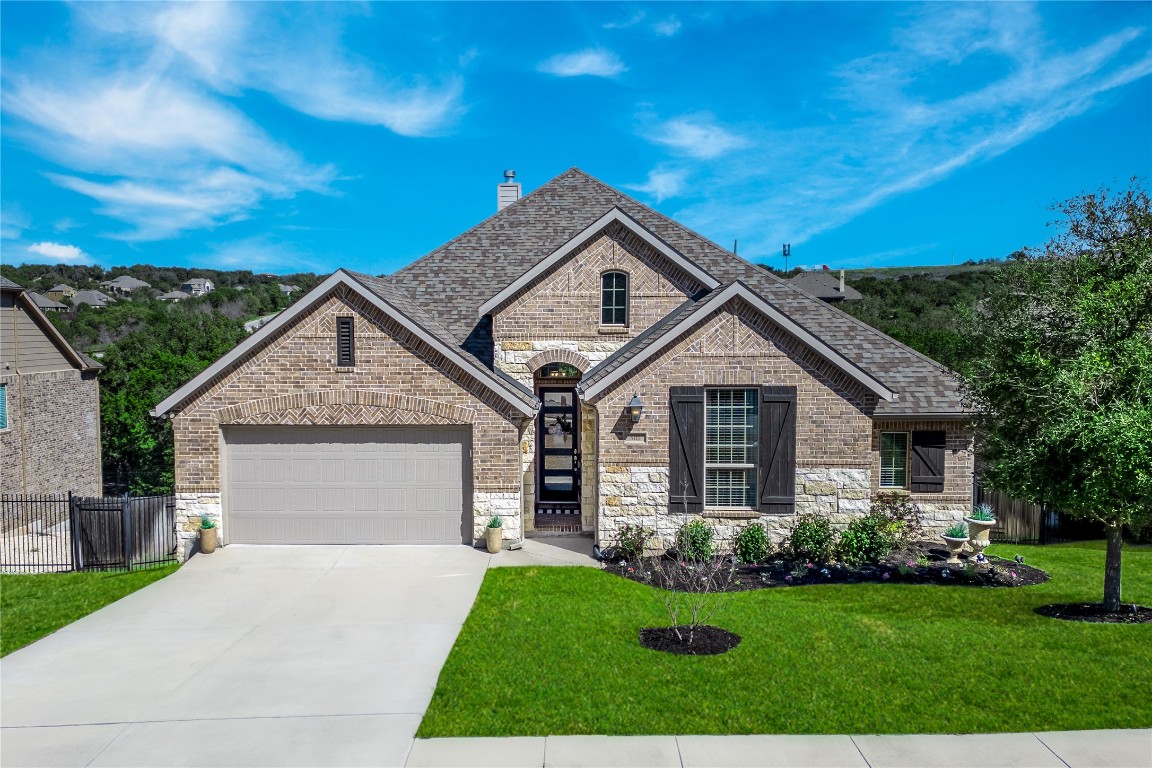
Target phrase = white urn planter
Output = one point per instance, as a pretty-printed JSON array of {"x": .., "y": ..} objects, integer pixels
[
  {"x": 978, "y": 531},
  {"x": 955, "y": 547}
]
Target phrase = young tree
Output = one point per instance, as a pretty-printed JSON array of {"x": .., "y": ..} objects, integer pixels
[{"x": 1061, "y": 373}]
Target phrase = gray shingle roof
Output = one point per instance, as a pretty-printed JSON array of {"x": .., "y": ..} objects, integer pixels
[
  {"x": 95, "y": 298},
  {"x": 453, "y": 281},
  {"x": 824, "y": 284},
  {"x": 44, "y": 302},
  {"x": 6, "y": 283}
]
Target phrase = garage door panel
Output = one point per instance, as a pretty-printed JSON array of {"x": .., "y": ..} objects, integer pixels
[{"x": 345, "y": 485}]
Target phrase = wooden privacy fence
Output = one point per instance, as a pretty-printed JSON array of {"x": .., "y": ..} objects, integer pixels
[
  {"x": 62, "y": 532},
  {"x": 1021, "y": 522}
]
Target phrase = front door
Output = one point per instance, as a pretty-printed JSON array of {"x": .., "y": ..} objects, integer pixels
[{"x": 558, "y": 449}]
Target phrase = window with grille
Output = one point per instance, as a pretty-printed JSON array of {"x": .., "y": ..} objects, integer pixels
[
  {"x": 893, "y": 459},
  {"x": 614, "y": 298},
  {"x": 345, "y": 341},
  {"x": 731, "y": 427}
]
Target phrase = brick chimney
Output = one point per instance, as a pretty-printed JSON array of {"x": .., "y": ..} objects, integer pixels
[{"x": 508, "y": 192}]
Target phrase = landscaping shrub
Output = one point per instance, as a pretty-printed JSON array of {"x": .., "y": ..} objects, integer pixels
[
  {"x": 903, "y": 515},
  {"x": 694, "y": 541},
  {"x": 868, "y": 539},
  {"x": 812, "y": 539},
  {"x": 631, "y": 541},
  {"x": 752, "y": 544}
]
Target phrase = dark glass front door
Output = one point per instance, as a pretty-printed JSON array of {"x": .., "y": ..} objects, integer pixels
[{"x": 557, "y": 441}]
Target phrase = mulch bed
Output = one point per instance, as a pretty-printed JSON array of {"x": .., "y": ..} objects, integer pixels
[
  {"x": 1094, "y": 612},
  {"x": 921, "y": 562},
  {"x": 706, "y": 641}
]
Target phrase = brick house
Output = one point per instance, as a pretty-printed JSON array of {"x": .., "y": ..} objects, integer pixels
[
  {"x": 575, "y": 362},
  {"x": 49, "y": 404}
]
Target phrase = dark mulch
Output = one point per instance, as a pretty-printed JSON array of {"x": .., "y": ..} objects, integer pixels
[
  {"x": 706, "y": 641},
  {"x": 921, "y": 562},
  {"x": 1094, "y": 612}
]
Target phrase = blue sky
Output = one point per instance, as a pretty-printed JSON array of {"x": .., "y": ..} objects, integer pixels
[{"x": 289, "y": 137}]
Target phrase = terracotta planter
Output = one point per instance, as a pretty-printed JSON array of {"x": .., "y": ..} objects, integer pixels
[
  {"x": 493, "y": 537},
  {"x": 955, "y": 547},
  {"x": 978, "y": 531},
  {"x": 207, "y": 540}
]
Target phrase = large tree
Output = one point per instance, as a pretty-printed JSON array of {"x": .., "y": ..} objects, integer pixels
[{"x": 1061, "y": 373}]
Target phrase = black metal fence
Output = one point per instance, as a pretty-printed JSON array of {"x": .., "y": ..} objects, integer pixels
[{"x": 62, "y": 532}]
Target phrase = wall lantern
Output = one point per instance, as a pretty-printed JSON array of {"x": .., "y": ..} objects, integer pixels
[{"x": 635, "y": 408}]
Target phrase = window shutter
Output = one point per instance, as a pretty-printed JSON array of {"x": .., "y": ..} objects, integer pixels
[
  {"x": 345, "y": 342},
  {"x": 927, "y": 462},
  {"x": 686, "y": 450},
  {"x": 778, "y": 450}
]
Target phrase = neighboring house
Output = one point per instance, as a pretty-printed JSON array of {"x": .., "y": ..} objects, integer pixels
[
  {"x": 173, "y": 296},
  {"x": 49, "y": 404},
  {"x": 60, "y": 292},
  {"x": 197, "y": 286},
  {"x": 825, "y": 286},
  {"x": 45, "y": 303},
  {"x": 287, "y": 290},
  {"x": 92, "y": 299},
  {"x": 577, "y": 361},
  {"x": 124, "y": 285}
]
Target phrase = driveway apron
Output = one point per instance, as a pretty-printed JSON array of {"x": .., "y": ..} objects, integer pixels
[{"x": 250, "y": 656}]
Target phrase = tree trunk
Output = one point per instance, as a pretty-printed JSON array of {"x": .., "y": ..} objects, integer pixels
[{"x": 1112, "y": 568}]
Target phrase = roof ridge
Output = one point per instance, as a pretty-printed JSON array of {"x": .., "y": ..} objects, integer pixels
[{"x": 482, "y": 222}]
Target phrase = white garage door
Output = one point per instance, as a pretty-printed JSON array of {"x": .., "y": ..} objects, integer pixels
[{"x": 346, "y": 485}]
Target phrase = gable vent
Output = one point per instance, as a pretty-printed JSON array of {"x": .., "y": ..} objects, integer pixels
[{"x": 345, "y": 342}]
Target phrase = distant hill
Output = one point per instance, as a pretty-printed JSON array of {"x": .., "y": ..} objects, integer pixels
[{"x": 41, "y": 277}]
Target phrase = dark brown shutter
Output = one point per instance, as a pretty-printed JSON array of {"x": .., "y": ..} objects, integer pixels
[
  {"x": 927, "y": 462},
  {"x": 345, "y": 342},
  {"x": 686, "y": 450},
  {"x": 778, "y": 450}
]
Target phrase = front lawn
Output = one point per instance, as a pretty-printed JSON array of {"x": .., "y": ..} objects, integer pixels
[
  {"x": 35, "y": 605},
  {"x": 555, "y": 651}
]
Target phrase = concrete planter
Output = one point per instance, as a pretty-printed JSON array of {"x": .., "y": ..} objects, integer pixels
[
  {"x": 978, "y": 531},
  {"x": 207, "y": 540},
  {"x": 955, "y": 547},
  {"x": 493, "y": 538}
]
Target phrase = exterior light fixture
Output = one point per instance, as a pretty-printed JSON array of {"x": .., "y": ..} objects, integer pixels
[{"x": 635, "y": 408}]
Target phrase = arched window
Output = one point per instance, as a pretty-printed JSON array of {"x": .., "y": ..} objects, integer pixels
[{"x": 614, "y": 298}]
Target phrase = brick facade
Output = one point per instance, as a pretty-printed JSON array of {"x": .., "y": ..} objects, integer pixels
[
  {"x": 52, "y": 443},
  {"x": 293, "y": 379}
]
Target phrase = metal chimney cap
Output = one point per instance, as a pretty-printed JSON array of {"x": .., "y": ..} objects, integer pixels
[{"x": 508, "y": 176}]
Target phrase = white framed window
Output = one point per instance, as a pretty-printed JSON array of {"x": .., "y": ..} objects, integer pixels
[
  {"x": 731, "y": 444},
  {"x": 893, "y": 459},
  {"x": 614, "y": 298}
]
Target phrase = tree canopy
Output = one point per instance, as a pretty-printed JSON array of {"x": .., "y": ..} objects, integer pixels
[{"x": 1061, "y": 370}]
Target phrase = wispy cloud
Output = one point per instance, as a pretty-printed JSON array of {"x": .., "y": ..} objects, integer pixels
[
  {"x": 698, "y": 136},
  {"x": 262, "y": 253},
  {"x": 58, "y": 252},
  {"x": 13, "y": 221},
  {"x": 667, "y": 27},
  {"x": 662, "y": 184},
  {"x": 157, "y": 138},
  {"x": 596, "y": 62},
  {"x": 630, "y": 21},
  {"x": 891, "y": 129}
]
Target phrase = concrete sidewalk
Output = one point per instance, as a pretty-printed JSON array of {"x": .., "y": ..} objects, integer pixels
[{"x": 1058, "y": 749}]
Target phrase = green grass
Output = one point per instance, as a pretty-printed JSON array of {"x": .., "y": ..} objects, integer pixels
[
  {"x": 555, "y": 651},
  {"x": 35, "y": 605}
]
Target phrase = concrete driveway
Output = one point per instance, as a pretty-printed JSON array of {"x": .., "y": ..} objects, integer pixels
[{"x": 250, "y": 656}]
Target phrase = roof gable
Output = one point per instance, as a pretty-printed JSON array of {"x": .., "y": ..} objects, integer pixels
[
  {"x": 387, "y": 300},
  {"x": 614, "y": 216},
  {"x": 29, "y": 304},
  {"x": 660, "y": 336}
]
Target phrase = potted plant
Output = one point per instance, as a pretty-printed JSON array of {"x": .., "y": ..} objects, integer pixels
[
  {"x": 980, "y": 522},
  {"x": 494, "y": 534},
  {"x": 207, "y": 535},
  {"x": 956, "y": 536}
]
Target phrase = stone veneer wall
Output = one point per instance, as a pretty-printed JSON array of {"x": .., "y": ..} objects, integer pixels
[
  {"x": 735, "y": 347},
  {"x": 293, "y": 379},
  {"x": 52, "y": 443},
  {"x": 558, "y": 320}
]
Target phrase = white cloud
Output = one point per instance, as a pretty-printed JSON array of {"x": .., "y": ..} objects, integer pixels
[
  {"x": 631, "y": 21},
  {"x": 662, "y": 184},
  {"x": 698, "y": 136},
  {"x": 667, "y": 27},
  {"x": 894, "y": 128},
  {"x": 58, "y": 251},
  {"x": 13, "y": 221},
  {"x": 597, "y": 62}
]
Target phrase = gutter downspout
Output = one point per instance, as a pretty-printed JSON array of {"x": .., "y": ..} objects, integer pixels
[{"x": 20, "y": 392}]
